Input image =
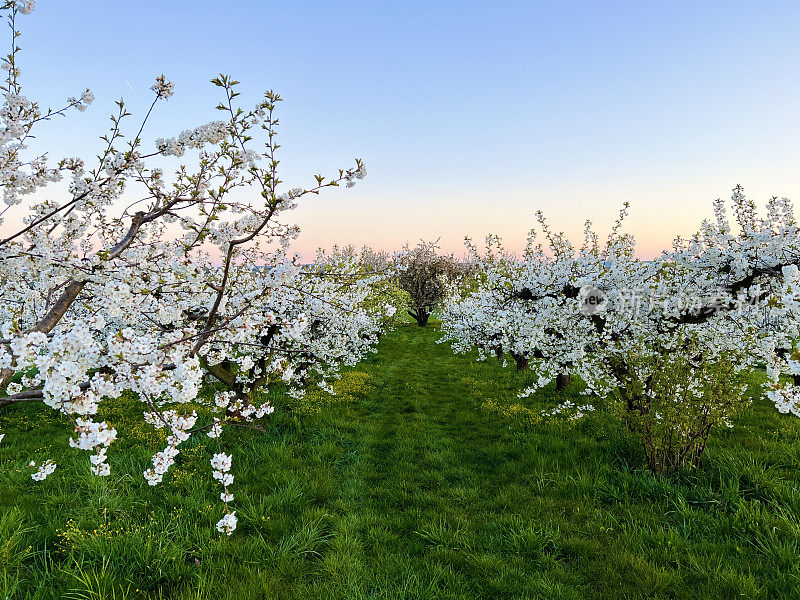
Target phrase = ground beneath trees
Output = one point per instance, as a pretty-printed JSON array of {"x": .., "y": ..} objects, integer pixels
[{"x": 426, "y": 478}]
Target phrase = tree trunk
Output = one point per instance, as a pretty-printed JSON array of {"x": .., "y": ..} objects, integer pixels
[
  {"x": 521, "y": 361},
  {"x": 421, "y": 317},
  {"x": 562, "y": 381}
]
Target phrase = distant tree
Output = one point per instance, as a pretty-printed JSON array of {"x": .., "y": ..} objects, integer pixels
[
  {"x": 376, "y": 271},
  {"x": 424, "y": 277}
]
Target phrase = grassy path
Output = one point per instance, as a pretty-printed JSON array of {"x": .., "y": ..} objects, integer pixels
[
  {"x": 409, "y": 486},
  {"x": 428, "y": 497}
]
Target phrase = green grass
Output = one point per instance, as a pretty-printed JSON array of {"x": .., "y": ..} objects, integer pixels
[{"x": 423, "y": 480}]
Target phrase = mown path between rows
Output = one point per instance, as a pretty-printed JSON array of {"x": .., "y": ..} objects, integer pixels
[{"x": 442, "y": 495}]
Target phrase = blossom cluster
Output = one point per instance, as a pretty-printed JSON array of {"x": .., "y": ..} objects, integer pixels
[{"x": 210, "y": 133}]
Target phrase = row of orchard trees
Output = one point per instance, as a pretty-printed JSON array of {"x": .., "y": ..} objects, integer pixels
[
  {"x": 116, "y": 276},
  {"x": 665, "y": 342}
]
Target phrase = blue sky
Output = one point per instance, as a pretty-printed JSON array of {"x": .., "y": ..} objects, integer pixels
[{"x": 470, "y": 116}]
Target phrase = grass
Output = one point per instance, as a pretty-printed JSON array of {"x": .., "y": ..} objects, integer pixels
[{"x": 426, "y": 478}]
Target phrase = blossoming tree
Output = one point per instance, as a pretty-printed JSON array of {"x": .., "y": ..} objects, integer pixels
[
  {"x": 124, "y": 278},
  {"x": 424, "y": 275},
  {"x": 666, "y": 340}
]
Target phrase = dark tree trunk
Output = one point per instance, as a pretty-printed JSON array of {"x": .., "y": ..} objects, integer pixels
[
  {"x": 498, "y": 352},
  {"x": 521, "y": 361},
  {"x": 796, "y": 379},
  {"x": 562, "y": 381},
  {"x": 421, "y": 317}
]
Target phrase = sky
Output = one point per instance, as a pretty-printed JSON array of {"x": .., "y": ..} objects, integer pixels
[{"x": 470, "y": 116}]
